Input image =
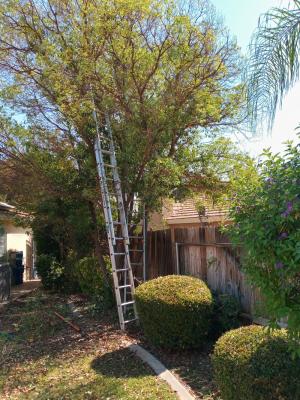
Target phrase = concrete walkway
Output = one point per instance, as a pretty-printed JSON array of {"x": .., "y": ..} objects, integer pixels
[{"x": 21, "y": 290}]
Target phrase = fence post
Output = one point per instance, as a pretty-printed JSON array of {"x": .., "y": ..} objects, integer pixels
[{"x": 177, "y": 258}]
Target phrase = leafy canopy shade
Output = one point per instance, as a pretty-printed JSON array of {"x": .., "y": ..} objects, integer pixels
[{"x": 160, "y": 68}]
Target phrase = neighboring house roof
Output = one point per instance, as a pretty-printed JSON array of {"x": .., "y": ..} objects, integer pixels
[
  {"x": 6, "y": 207},
  {"x": 7, "y": 212},
  {"x": 185, "y": 212}
]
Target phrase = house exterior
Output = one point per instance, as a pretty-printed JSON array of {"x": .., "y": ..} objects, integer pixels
[{"x": 15, "y": 239}]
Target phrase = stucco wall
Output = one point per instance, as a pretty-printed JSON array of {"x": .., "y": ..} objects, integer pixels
[{"x": 19, "y": 239}]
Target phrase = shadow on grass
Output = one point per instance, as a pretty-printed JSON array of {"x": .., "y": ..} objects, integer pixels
[{"x": 121, "y": 364}]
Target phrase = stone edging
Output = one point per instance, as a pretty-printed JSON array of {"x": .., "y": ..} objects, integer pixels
[{"x": 161, "y": 371}]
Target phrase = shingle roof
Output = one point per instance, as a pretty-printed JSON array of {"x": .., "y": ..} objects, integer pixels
[
  {"x": 6, "y": 207},
  {"x": 187, "y": 210}
]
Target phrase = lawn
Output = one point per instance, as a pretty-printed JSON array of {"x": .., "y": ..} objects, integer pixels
[{"x": 42, "y": 357}]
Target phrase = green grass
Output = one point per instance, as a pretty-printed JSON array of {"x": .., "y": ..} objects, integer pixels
[{"x": 43, "y": 358}]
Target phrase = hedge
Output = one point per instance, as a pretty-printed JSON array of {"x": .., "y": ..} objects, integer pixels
[
  {"x": 175, "y": 311},
  {"x": 251, "y": 363}
]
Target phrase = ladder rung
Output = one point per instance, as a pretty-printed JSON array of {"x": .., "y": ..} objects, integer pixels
[
  {"x": 122, "y": 270},
  {"x": 104, "y": 137},
  {"x": 113, "y": 180},
  {"x": 137, "y": 250},
  {"x": 130, "y": 320},
  {"x": 127, "y": 303},
  {"x": 135, "y": 225},
  {"x": 140, "y": 263},
  {"x": 109, "y": 165},
  {"x": 119, "y": 254},
  {"x": 124, "y": 286},
  {"x": 107, "y": 152}
]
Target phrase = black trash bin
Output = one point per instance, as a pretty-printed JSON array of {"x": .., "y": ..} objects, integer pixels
[{"x": 17, "y": 267}]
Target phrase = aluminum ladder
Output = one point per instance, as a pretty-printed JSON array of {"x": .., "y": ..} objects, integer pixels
[{"x": 116, "y": 223}]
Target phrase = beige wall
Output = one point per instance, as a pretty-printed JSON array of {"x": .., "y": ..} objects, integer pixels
[{"x": 19, "y": 239}]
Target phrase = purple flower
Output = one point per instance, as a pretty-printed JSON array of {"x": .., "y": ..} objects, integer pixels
[
  {"x": 283, "y": 235},
  {"x": 289, "y": 209},
  {"x": 279, "y": 265},
  {"x": 269, "y": 181},
  {"x": 238, "y": 209}
]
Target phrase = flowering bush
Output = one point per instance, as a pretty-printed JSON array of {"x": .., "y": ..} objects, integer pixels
[{"x": 266, "y": 215}]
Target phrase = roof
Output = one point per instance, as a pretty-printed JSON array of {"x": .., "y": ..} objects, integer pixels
[
  {"x": 186, "y": 212},
  {"x": 6, "y": 207}
]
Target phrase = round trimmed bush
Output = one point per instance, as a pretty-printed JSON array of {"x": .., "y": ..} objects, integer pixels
[
  {"x": 251, "y": 363},
  {"x": 175, "y": 311}
]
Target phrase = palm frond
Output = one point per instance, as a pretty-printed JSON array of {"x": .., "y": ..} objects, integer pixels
[{"x": 274, "y": 61}]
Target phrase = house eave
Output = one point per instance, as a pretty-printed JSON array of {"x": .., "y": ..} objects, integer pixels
[{"x": 213, "y": 218}]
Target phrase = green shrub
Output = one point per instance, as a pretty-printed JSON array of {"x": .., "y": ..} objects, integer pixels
[
  {"x": 226, "y": 313},
  {"x": 175, "y": 311},
  {"x": 251, "y": 363},
  {"x": 50, "y": 271},
  {"x": 92, "y": 283},
  {"x": 265, "y": 214}
]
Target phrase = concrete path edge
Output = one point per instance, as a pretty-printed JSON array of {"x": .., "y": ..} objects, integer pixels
[{"x": 161, "y": 371}]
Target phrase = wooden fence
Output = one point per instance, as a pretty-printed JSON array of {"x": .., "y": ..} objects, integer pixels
[
  {"x": 159, "y": 254},
  {"x": 205, "y": 253}
]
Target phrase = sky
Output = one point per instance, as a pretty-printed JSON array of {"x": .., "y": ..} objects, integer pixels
[{"x": 241, "y": 18}]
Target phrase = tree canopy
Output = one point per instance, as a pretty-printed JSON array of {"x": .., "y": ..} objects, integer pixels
[
  {"x": 161, "y": 69},
  {"x": 166, "y": 72}
]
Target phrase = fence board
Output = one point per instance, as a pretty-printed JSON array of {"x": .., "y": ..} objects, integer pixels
[{"x": 201, "y": 253}]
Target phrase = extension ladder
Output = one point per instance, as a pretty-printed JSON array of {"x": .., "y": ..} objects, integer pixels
[{"x": 119, "y": 233}]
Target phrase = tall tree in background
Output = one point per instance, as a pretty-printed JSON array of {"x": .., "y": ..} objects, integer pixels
[
  {"x": 164, "y": 71},
  {"x": 274, "y": 60}
]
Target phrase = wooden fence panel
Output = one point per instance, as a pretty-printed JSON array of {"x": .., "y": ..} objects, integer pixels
[
  {"x": 159, "y": 254},
  {"x": 201, "y": 253}
]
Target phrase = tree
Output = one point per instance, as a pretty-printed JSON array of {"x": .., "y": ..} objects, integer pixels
[
  {"x": 163, "y": 70},
  {"x": 274, "y": 60}
]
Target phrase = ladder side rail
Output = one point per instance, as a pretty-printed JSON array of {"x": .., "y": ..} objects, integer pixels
[
  {"x": 103, "y": 185},
  {"x": 110, "y": 240},
  {"x": 145, "y": 227},
  {"x": 117, "y": 183},
  {"x": 123, "y": 218}
]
